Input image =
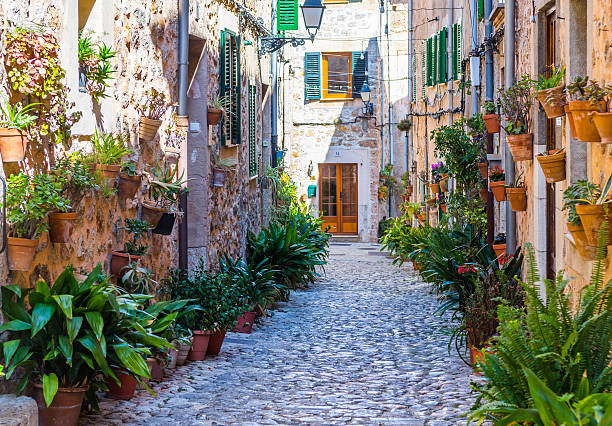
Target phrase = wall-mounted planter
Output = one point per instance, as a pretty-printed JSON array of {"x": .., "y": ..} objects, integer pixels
[
  {"x": 20, "y": 252},
  {"x": 603, "y": 124},
  {"x": 521, "y": 146},
  {"x": 444, "y": 183},
  {"x": 553, "y": 165},
  {"x": 492, "y": 122},
  {"x": 499, "y": 249},
  {"x": 443, "y": 208},
  {"x": 218, "y": 178},
  {"x": 570, "y": 120},
  {"x": 434, "y": 188},
  {"x": 586, "y": 251},
  {"x": 484, "y": 194},
  {"x": 13, "y": 143},
  {"x": 151, "y": 213},
  {"x": 213, "y": 116},
  {"x": 517, "y": 197},
  {"x": 148, "y": 128},
  {"x": 108, "y": 171},
  {"x": 592, "y": 216},
  {"x": 165, "y": 224},
  {"x": 119, "y": 260},
  {"x": 499, "y": 190},
  {"x": 409, "y": 190},
  {"x": 128, "y": 185},
  {"x": 431, "y": 202},
  {"x": 60, "y": 226},
  {"x": 422, "y": 217},
  {"x": 583, "y": 122},
  {"x": 484, "y": 170},
  {"x": 552, "y": 101}
]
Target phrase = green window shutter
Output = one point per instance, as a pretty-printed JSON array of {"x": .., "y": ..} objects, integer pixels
[
  {"x": 360, "y": 68},
  {"x": 458, "y": 50},
  {"x": 434, "y": 56},
  {"x": 287, "y": 15},
  {"x": 442, "y": 46},
  {"x": 230, "y": 87},
  {"x": 423, "y": 68},
  {"x": 429, "y": 62},
  {"x": 454, "y": 52},
  {"x": 480, "y": 9},
  {"x": 414, "y": 86},
  {"x": 252, "y": 130},
  {"x": 312, "y": 75}
]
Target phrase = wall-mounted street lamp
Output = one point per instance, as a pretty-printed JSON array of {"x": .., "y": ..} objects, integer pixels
[
  {"x": 366, "y": 94},
  {"x": 312, "y": 11}
]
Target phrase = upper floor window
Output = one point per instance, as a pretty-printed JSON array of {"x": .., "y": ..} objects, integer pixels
[{"x": 334, "y": 75}]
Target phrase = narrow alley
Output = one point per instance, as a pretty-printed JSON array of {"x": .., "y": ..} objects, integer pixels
[{"x": 360, "y": 346}]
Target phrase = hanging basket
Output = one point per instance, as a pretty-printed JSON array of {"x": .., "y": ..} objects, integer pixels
[
  {"x": 521, "y": 146},
  {"x": 553, "y": 165},
  {"x": 148, "y": 128}
]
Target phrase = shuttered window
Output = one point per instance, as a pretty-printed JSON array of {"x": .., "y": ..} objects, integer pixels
[
  {"x": 457, "y": 50},
  {"x": 287, "y": 15},
  {"x": 429, "y": 61},
  {"x": 312, "y": 75},
  {"x": 230, "y": 86},
  {"x": 360, "y": 67},
  {"x": 423, "y": 68},
  {"x": 480, "y": 9},
  {"x": 414, "y": 85},
  {"x": 252, "y": 130},
  {"x": 337, "y": 75},
  {"x": 434, "y": 59},
  {"x": 442, "y": 47}
]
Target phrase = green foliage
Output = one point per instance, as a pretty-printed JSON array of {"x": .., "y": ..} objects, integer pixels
[
  {"x": 165, "y": 184},
  {"x": 138, "y": 279},
  {"x": 475, "y": 125},
  {"x": 154, "y": 105},
  {"x": 74, "y": 178},
  {"x": 406, "y": 180},
  {"x": 386, "y": 177},
  {"x": 577, "y": 89},
  {"x": 128, "y": 168},
  {"x": 405, "y": 125},
  {"x": 95, "y": 63},
  {"x": 138, "y": 229},
  {"x": 497, "y": 174},
  {"x": 467, "y": 211},
  {"x": 489, "y": 107},
  {"x": 516, "y": 102},
  {"x": 109, "y": 148},
  {"x": 17, "y": 116},
  {"x": 555, "y": 79},
  {"x": 573, "y": 195}
]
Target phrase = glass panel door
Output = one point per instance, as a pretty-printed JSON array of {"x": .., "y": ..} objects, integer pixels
[{"x": 349, "y": 199}]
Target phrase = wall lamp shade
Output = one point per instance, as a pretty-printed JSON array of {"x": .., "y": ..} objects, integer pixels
[
  {"x": 312, "y": 10},
  {"x": 365, "y": 93}
]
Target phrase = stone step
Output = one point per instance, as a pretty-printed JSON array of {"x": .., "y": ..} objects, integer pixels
[
  {"x": 18, "y": 411},
  {"x": 345, "y": 239}
]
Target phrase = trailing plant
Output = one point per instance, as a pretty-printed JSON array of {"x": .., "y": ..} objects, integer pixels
[
  {"x": 95, "y": 63},
  {"x": 154, "y": 105},
  {"x": 476, "y": 126},
  {"x": 555, "y": 79},
  {"x": 406, "y": 180},
  {"x": 138, "y": 229},
  {"x": 74, "y": 178},
  {"x": 109, "y": 148},
  {"x": 405, "y": 125},
  {"x": 460, "y": 154},
  {"x": 17, "y": 116},
  {"x": 497, "y": 174},
  {"x": 573, "y": 196},
  {"x": 165, "y": 184},
  {"x": 516, "y": 102},
  {"x": 489, "y": 107},
  {"x": 128, "y": 168},
  {"x": 386, "y": 177}
]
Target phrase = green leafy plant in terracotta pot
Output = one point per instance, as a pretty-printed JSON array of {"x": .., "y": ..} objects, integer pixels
[
  {"x": 387, "y": 182},
  {"x": 15, "y": 121},
  {"x": 499, "y": 244},
  {"x": 497, "y": 183},
  {"x": 151, "y": 109},
  {"x": 491, "y": 117},
  {"x": 407, "y": 185},
  {"x": 553, "y": 164},
  {"x": 571, "y": 197},
  {"x": 602, "y": 97},
  {"x": 581, "y": 90},
  {"x": 550, "y": 92},
  {"x": 163, "y": 191},
  {"x": 95, "y": 66},
  {"x": 593, "y": 209},
  {"x": 133, "y": 250},
  {"x": 108, "y": 150},
  {"x": 129, "y": 180},
  {"x": 216, "y": 109},
  {"x": 515, "y": 103}
]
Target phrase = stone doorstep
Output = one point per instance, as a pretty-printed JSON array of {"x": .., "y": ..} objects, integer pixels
[{"x": 18, "y": 411}]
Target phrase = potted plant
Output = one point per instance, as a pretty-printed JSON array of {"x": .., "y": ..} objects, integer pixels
[
  {"x": 490, "y": 117},
  {"x": 220, "y": 168},
  {"x": 405, "y": 125},
  {"x": 436, "y": 175},
  {"x": 137, "y": 279},
  {"x": 602, "y": 96},
  {"x": 593, "y": 209},
  {"x": 108, "y": 149},
  {"x": 549, "y": 91},
  {"x": 407, "y": 184},
  {"x": 164, "y": 188},
  {"x": 14, "y": 123},
  {"x": 484, "y": 191},
  {"x": 499, "y": 244},
  {"x": 497, "y": 183},
  {"x": 216, "y": 109},
  {"x": 553, "y": 164},
  {"x": 476, "y": 126},
  {"x": 129, "y": 180},
  {"x": 571, "y": 197},
  {"x": 580, "y": 106},
  {"x": 95, "y": 67},
  {"x": 151, "y": 111},
  {"x": 517, "y": 195},
  {"x": 28, "y": 201},
  {"x": 442, "y": 171},
  {"x": 74, "y": 178},
  {"x": 516, "y": 104},
  {"x": 483, "y": 167},
  {"x": 133, "y": 249}
]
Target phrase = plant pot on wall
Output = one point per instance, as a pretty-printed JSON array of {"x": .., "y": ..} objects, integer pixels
[
  {"x": 552, "y": 101},
  {"x": 148, "y": 128},
  {"x": 199, "y": 346},
  {"x": 443, "y": 208},
  {"x": 151, "y": 213},
  {"x": 570, "y": 120},
  {"x": 128, "y": 185},
  {"x": 213, "y": 116},
  {"x": 484, "y": 170},
  {"x": 409, "y": 190},
  {"x": 119, "y": 260},
  {"x": 13, "y": 143},
  {"x": 165, "y": 224},
  {"x": 20, "y": 252},
  {"x": 492, "y": 122},
  {"x": 586, "y": 251},
  {"x": 603, "y": 124},
  {"x": 499, "y": 190},
  {"x": 60, "y": 226},
  {"x": 484, "y": 194},
  {"x": 521, "y": 146},
  {"x": 219, "y": 174},
  {"x": 108, "y": 171},
  {"x": 592, "y": 217},
  {"x": 553, "y": 165},
  {"x": 499, "y": 249},
  {"x": 444, "y": 183},
  {"x": 517, "y": 197},
  {"x": 64, "y": 409},
  {"x": 434, "y": 188},
  {"x": 583, "y": 122}
]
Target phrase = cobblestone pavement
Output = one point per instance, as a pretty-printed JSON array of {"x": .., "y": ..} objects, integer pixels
[{"x": 361, "y": 346}]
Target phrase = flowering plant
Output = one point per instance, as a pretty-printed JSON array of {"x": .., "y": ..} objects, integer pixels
[
  {"x": 154, "y": 105},
  {"x": 437, "y": 170},
  {"x": 497, "y": 174},
  {"x": 467, "y": 268}
]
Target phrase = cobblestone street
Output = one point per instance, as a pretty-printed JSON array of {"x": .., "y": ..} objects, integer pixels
[{"x": 360, "y": 346}]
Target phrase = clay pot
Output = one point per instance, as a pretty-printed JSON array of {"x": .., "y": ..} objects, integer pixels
[
  {"x": 244, "y": 323},
  {"x": 603, "y": 124},
  {"x": 409, "y": 190},
  {"x": 443, "y": 207},
  {"x": 183, "y": 352},
  {"x": 215, "y": 342},
  {"x": 484, "y": 170},
  {"x": 218, "y": 179},
  {"x": 20, "y": 252},
  {"x": 499, "y": 249},
  {"x": 517, "y": 197},
  {"x": 499, "y": 190},
  {"x": 553, "y": 165},
  {"x": 126, "y": 387},
  {"x": 13, "y": 143},
  {"x": 422, "y": 217},
  {"x": 521, "y": 146},
  {"x": 173, "y": 355},
  {"x": 64, "y": 409},
  {"x": 199, "y": 345},
  {"x": 444, "y": 185},
  {"x": 157, "y": 372},
  {"x": 128, "y": 185},
  {"x": 586, "y": 251},
  {"x": 592, "y": 217},
  {"x": 151, "y": 213},
  {"x": 148, "y": 128},
  {"x": 119, "y": 260},
  {"x": 570, "y": 120},
  {"x": 434, "y": 188},
  {"x": 431, "y": 202},
  {"x": 213, "y": 116},
  {"x": 583, "y": 122},
  {"x": 484, "y": 194},
  {"x": 60, "y": 226},
  {"x": 552, "y": 101},
  {"x": 492, "y": 122}
]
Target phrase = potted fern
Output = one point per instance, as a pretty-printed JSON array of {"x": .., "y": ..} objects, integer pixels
[
  {"x": 516, "y": 102},
  {"x": 549, "y": 91},
  {"x": 517, "y": 194},
  {"x": 497, "y": 183},
  {"x": 581, "y": 92},
  {"x": 490, "y": 117},
  {"x": 14, "y": 123},
  {"x": 216, "y": 108},
  {"x": 553, "y": 164},
  {"x": 571, "y": 197},
  {"x": 151, "y": 111}
]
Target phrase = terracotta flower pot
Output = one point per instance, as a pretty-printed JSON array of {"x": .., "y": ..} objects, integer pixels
[
  {"x": 422, "y": 217},
  {"x": 592, "y": 217},
  {"x": 13, "y": 143},
  {"x": 157, "y": 372},
  {"x": 148, "y": 128},
  {"x": 119, "y": 260},
  {"x": 583, "y": 122},
  {"x": 183, "y": 353},
  {"x": 215, "y": 342},
  {"x": 409, "y": 190},
  {"x": 517, "y": 197},
  {"x": 570, "y": 120},
  {"x": 126, "y": 387},
  {"x": 484, "y": 194},
  {"x": 434, "y": 188},
  {"x": 499, "y": 190},
  {"x": 64, "y": 409},
  {"x": 128, "y": 185},
  {"x": 60, "y": 226},
  {"x": 108, "y": 171},
  {"x": 444, "y": 185},
  {"x": 553, "y": 165},
  {"x": 603, "y": 124},
  {"x": 484, "y": 170},
  {"x": 213, "y": 116},
  {"x": 431, "y": 202},
  {"x": 152, "y": 214},
  {"x": 244, "y": 323},
  {"x": 443, "y": 207},
  {"x": 499, "y": 249},
  {"x": 20, "y": 252},
  {"x": 552, "y": 101},
  {"x": 219, "y": 174},
  {"x": 521, "y": 146},
  {"x": 586, "y": 251},
  {"x": 199, "y": 345},
  {"x": 491, "y": 122},
  {"x": 173, "y": 355}
]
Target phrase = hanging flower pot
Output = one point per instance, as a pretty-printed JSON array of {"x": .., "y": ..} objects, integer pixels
[
  {"x": 421, "y": 217},
  {"x": 583, "y": 122},
  {"x": 219, "y": 174},
  {"x": 13, "y": 143},
  {"x": 60, "y": 226},
  {"x": 20, "y": 252},
  {"x": 128, "y": 185},
  {"x": 492, "y": 122},
  {"x": 499, "y": 190},
  {"x": 151, "y": 213},
  {"x": 434, "y": 188},
  {"x": 603, "y": 124},
  {"x": 148, "y": 128},
  {"x": 215, "y": 342},
  {"x": 199, "y": 345},
  {"x": 119, "y": 260},
  {"x": 484, "y": 169},
  {"x": 443, "y": 208},
  {"x": 552, "y": 101},
  {"x": 592, "y": 216},
  {"x": 409, "y": 190},
  {"x": 586, "y": 251},
  {"x": 484, "y": 194},
  {"x": 553, "y": 165},
  {"x": 517, "y": 197},
  {"x": 570, "y": 120},
  {"x": 165, "y": 224},
  {"x": 108, "y": 171},
  {"x": 521, "y": 146},
  {"x": 431, "y": 202},
  {"x": 213, "y": 116},
  {"x": 64, "y": 409},
  {"x": 126, "y": 387},
  {"x": 499, "y": 249}
]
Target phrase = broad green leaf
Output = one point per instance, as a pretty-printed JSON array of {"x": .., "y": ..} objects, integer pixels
[
  {"x": 41, "y": 314},
  {"x": 552, "y": 409},
  {"x": 50, "y": 385},
  {"x": 91, "y": 344},
  {"x": 87, "y": 359},
  {"x": 43, "y": 288},
  {"x": 97, "y": 302},
  {"x": 65, "y": 304},
  {"x": 52, "y": 354},
  {"x": 9, "y": 349},
  {"x": 15, "y": 325},
  {"x": 96, "y": 322},
  {"x": 131, "y": 360},
  {"x": 65, "y": 346},
  {"x": 73, "y": 326}
]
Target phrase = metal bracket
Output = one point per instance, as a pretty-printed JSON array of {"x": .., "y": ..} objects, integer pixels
[{"x": 272, "y": 44}]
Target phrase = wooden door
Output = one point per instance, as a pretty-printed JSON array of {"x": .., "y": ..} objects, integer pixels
[
  {"x": 338, "y": 197},
  {"x": 551, "y": 20}
]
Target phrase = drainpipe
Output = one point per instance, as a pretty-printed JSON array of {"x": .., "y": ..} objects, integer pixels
[
  {"x": 508, "y": 161},
  {"x": 183, "y": 59},
  {"x": 449, "y": 55},
  {"x": 474, "y": 47},
  {"x": 274, "y": 95},
  {"x": 489, "y": 90},
  {"x": 410, "y": 83}
]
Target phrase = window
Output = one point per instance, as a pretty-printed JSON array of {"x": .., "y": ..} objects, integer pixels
[
  {"x": 337, "y": 75},
  {"x": 252, "y": 130},
  {"x": 337, "y": 78},
  {"x": 457, "y": 36},
  {"x": 435, "y": 55},
  {"x": 230, "y": 86}
]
